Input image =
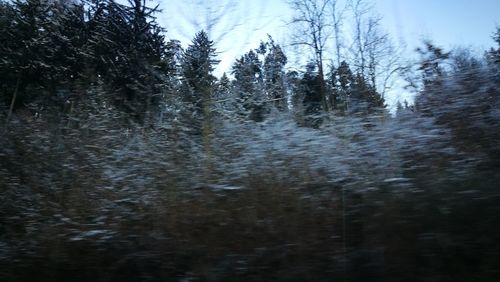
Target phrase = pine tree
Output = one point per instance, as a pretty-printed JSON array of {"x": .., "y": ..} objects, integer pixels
[
  {"x": 23, "y": 49},
  {"x": 333, "y": 88},
  {"x": 496, "y": 53},
  {"x": 40, "y": 43},
  {"x": 197, "y": 90},
  {"x": 364, "y": 98},
  {"x": 224, "y": 103},
  {"x": 126, "y": 48},
  {"x": 274, "y": 74},
  {"x": 345, "y": 79},
  {"x": 198, "y": 63},
  {"x": 296, "y": 95},
  {"x": 198, "y": 83},
  {"x": 432, "y": 58},
  {"x": 173, "y": 59},
  {"x": 248, "y": 83},
  {"x": 432, "y": 73},
  {"x": 310, "y": 85}
]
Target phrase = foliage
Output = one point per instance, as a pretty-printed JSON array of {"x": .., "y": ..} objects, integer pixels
[{"x": 122, "y": 157}]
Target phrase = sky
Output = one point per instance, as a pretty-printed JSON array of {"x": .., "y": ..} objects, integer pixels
[
  {"x": 240, "y": 28},
  {"x": 449, "y": 23}
]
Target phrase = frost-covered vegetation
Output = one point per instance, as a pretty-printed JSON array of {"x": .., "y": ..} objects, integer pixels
[{"x": 122, "y": 158}]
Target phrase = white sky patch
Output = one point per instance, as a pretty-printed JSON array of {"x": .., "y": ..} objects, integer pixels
[{"x": 235, "y": 26}]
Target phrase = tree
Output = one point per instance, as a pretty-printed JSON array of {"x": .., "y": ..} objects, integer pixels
[
  {"x": 248, "y": 84},
  {"x": 222, "y": 20},
  {"x": 296, "y": 95},
  {"x": 42, "y": 40},
  {"x": 312, "y": 97},
  {"x": 197, "y": 66},
  {"x": 126, "y": 48},
  {"x": 364, "y": 97},
  {"x": 198, "y": 83},
  {"x": 58, "y": 48},
  {"x": 337, "y": 14},
  {"x": 375, "y": 59},
  {"x": 225, "y": 102},
  {"x": 11, "y": 54},
  {"x": 344, "y": 76},
  {"x": 274, "y": 74},
  {"x": 377, "y": 47},
  {"x": 173, "y": 59},
  {"x": 431, "y": 63},
  {"x": 312, "y": 29},
  {"x": 460, "y": 92},
  {"x": 360, "y": 9},
  {"x": 354, "y": 93},
  {"x": 22, "y": 47},
  {"x": 494, "y": 54}
]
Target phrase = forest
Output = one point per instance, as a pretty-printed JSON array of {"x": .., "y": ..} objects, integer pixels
[{"x": 124, "y": 157}]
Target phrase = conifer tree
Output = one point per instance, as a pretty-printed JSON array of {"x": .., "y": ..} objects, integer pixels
[
  {"x": 310, "y": 85},
  {"x": 23, "y": 49},
  {"x": 274, "y": 74},
  {"x": 197, "y": 67},
  {"x": 248, "y": 83},
  {"x": 126, "y": 47},
  {"x": 345, "y": 78},
  {"x": 198, "y": 83},
  {"x": 224, "y": 103}
]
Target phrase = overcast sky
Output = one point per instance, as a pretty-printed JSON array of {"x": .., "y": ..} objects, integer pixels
[{"x": 448, "y": 23}]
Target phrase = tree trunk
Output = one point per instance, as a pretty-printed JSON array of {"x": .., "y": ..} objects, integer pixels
[
  {"x": 14, "y": 97},
  {"x": 207, "y": 134},
  {"x": 322, "y": 87}
]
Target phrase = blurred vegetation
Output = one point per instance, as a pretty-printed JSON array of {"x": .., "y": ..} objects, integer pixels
[{"x": 123, "y": 158}]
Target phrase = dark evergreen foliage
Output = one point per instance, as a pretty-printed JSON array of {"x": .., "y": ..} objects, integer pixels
[
  {"x": 274, "y": 74},
  {"x": 56, "y": 49},
  {"x": 248, "y": 84},
  {"x": 310, "y": 85},
  {"x": 198, "y": 83},
  {"x": 197, "y": 66}
]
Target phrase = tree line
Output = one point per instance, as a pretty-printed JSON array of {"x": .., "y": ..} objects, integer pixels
[
  {"x": 55, "y": 50},
  {"x": 69, "y": 61}
]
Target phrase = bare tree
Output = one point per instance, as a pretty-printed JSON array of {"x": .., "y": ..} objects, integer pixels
[
  {"x": 360, "y": 10},
  {"x": 312, "y": 31},
  {"x": 376, "y": 46},
  {"x": 375, "y": 56},
  {"x": 337, "y": 10}
]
